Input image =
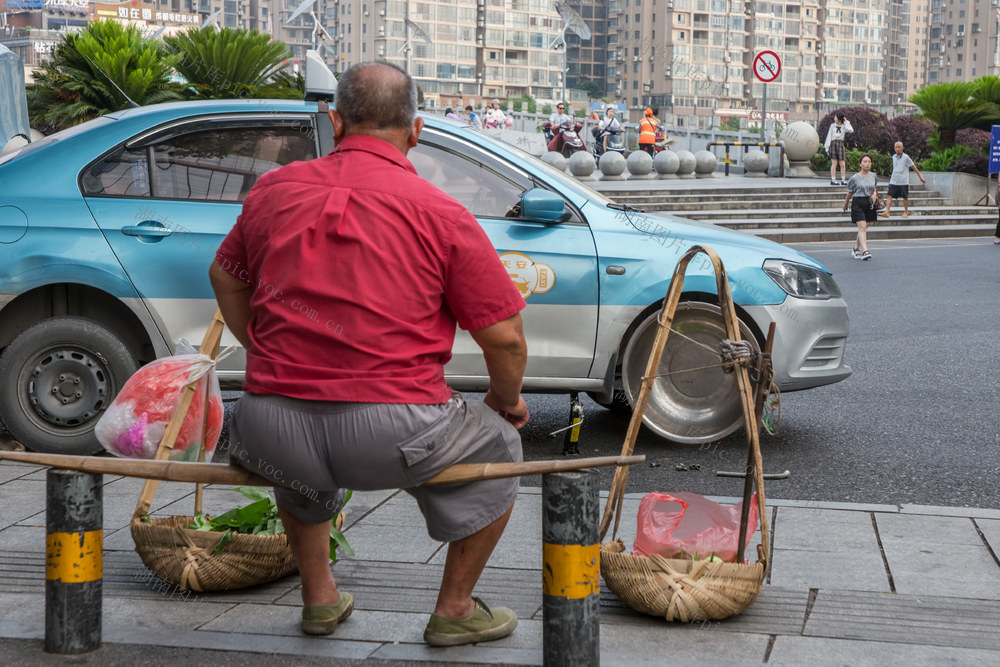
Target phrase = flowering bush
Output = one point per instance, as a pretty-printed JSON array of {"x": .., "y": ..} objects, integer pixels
[
  {"x": 871, "y": 129},
  {"x": 914, "y": 132}
]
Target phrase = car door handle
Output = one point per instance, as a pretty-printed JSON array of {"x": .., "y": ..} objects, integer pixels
[{"x": 147, "y": 229}]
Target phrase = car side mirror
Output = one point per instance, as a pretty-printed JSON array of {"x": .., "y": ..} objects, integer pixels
[{"x": 544, "y": 206}]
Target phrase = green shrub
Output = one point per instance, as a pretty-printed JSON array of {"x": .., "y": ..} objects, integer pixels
[
  {"x": 940, "y": 160},
  {"x": 881, "y": 163},
  {"x": 820, "y": 162}
]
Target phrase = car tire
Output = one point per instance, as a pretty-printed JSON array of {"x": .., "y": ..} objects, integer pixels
[
  {"x": 688, "y": 407},
  {"x": 60, "y": 375}
]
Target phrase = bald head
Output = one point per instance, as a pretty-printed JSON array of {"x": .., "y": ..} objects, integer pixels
[{"x": 376, "y": 96}]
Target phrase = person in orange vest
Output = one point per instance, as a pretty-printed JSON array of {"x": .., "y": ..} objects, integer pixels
[{"x": 647, "y": 132}]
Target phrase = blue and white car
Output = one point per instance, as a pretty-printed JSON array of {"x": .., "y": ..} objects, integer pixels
[{"x": 107, "y": 231}]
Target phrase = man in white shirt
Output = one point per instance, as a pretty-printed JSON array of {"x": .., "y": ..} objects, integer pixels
[{"x": 899, "y": 181}]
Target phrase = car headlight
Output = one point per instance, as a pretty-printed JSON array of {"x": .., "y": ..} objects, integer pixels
[{"x": 804, "y": 282}]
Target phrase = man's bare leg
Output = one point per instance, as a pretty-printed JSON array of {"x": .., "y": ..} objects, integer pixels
[
  {"x": 463, "y": 566},
  {"x": 310, "y": 543}
]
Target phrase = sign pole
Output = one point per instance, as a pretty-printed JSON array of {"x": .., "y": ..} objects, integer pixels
[{"x": 763, "y": 115}]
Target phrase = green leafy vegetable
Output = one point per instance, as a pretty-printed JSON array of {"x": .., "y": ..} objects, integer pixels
[{"x": 260, "y": 517}]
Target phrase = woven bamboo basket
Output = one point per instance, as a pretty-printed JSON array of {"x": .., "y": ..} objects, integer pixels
[
  {"x": 686, "y": 590},
  {"x": 183, "y": 556}
]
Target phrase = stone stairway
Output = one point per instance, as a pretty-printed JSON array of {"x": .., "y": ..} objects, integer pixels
[{"x": 801, "y": 213}]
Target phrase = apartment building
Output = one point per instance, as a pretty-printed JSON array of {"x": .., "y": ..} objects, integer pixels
[{"x": 964, "y": 41}]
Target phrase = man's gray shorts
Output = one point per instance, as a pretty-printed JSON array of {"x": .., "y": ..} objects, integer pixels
[{"x": 312, "y": 450}]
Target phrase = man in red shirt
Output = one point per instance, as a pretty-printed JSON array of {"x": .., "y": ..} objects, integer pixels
[{"x": 344, "y": 279}]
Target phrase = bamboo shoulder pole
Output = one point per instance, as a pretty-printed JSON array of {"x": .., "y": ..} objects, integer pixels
[{"x": 221, "y": 473}]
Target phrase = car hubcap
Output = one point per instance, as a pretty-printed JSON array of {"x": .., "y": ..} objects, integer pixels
[
  {"x": 68, "y": 387},
  {"x": 689, "y": 406}
]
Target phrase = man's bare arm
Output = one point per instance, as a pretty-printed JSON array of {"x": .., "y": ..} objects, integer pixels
[
  {"x": 233, "y": 296},
  {"x": 506, "y": 354}
]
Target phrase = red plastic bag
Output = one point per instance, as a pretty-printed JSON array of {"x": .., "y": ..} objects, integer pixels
[
  {"x": 134, "y": 423},
  {"x": 687, "y": 524}
]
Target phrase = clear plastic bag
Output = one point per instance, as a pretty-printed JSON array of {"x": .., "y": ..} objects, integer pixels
[
  {"x": 686, "y": 525},
  {"x": 134, "y": 423}
]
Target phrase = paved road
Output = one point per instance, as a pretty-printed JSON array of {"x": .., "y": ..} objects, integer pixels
[{"x": 916, "y": 423}]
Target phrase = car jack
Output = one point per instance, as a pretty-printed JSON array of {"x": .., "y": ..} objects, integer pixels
[{"x": 572, "y": 431}]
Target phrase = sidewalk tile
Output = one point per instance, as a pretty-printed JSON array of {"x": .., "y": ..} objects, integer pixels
[
  {"x": 991, "y": 531},
  {"x": 478, "y": 654},
  {"x": 919, "y": 529},
  {"x": 21, "y": 499},
  {"x": 370, "y": 626},
  {"x": 256, "y": 643},
  {"x": 690, "y": 645},
  {"x": 23, "y": 538},
  {"x": 819, "y": 530},
  {"x": 181, "y": 616},
  {"x": 985, "y": 513},
  {"x": 855, "y": 569},
  {"x": 391, "y": 543},
  {"x": 955, "y": 570},
  {"x": 820, "y": 652}
]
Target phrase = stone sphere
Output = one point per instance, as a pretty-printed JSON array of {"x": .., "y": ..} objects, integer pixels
[
  {"x": 756, "y": 161},
  {"x": 705, "y": 163},
  {"x": 639, "y": 163},
  {"x": 687, "y": 163},
  {"x": 666, "y": 163},
  {"x": 612, "y": 165},
  {"x": 20, "y": 142},
  {"x": 554, "y": 159},
  {"x": 582, "y": 164},
  {"x": 801, "y": 141}
]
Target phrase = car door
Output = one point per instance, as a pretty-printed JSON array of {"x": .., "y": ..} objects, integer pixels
[
  {"x": 165, "y": 200},
  {"x": 554, "y": 265}
]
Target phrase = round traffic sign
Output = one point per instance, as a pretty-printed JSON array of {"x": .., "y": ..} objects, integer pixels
[{"x": 767, "y": 66}]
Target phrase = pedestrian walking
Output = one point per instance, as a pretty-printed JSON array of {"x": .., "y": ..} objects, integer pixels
[
  {"x": 861, "y": 195},
  {"x": 352, "y": 394},
  {"x": 834, "y": 146},
  {"x": 899, "y": 180}
]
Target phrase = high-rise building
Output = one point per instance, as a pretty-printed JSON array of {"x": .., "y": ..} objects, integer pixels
[{"x": 964, "y": 40}]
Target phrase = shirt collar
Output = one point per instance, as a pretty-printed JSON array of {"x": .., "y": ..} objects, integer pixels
[{"x": 375, "y": 146}]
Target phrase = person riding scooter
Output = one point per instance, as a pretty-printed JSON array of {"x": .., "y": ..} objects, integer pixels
[{"x": 567, "y": 139}]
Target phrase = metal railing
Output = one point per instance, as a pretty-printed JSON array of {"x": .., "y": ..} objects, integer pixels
[{"x": 766, "y": 145}]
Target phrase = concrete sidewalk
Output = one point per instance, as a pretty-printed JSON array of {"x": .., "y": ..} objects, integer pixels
[{"x": 850, "y": 584}]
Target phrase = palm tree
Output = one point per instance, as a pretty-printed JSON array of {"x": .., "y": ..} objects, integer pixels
[
  {"x": 230, "y": 63},
  {"x": 953, "y": 106},
  {"x": 96, "y": 71}
]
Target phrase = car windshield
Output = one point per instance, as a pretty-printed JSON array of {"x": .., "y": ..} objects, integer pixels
[
  {"x": 564, "y": 179},
  {"x": 55, "y": 138}
]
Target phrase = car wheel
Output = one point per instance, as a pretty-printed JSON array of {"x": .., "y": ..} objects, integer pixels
[
  {"x": 689, "y": 407},
  {"x": 63, "y": 373}
]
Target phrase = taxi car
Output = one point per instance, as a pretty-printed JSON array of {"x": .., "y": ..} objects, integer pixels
[{"x": 107, "y": 230}]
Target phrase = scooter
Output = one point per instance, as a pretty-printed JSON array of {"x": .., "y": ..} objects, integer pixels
[{"x": 567, "y": 139}]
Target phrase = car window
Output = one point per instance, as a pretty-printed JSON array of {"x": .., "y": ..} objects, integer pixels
[
  {"x": 222, "y": 165},
  {"x": 481, "y": 190},
  {"x": 123, "y": 173},
  {"x": 207, "y": 164}
]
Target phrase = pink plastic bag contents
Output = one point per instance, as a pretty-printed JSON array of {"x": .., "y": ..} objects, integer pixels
[
  {"x": 686, "y": 525},
  {"x": 134, "y": 423}
]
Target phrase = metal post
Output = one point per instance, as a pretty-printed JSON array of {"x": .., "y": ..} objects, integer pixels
[
  {"x": 763, "y": 115},
  {"x": 571, "y": 574},
  {"x": 74, "y": 539},
  {"x": 572, "y": 437}
]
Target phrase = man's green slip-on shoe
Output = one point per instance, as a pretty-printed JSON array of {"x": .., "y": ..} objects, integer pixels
[
  {"x": 322, "y": 619},
  {"x": 484, "y": 625}
]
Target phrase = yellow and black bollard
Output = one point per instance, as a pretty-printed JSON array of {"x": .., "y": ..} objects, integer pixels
[
  {"x": 572, "y": 437},
  {"x": 73, "y": 561},
  {"x": 571, "y": 569}
]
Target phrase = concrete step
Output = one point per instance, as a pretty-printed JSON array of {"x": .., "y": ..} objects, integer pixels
[
  {"x": 679, "y": 193},
  {"x": 751, "y": 200},
  {"x": 849, "y": 232},
  {"x": 783, "y": 206},
  {"x": 943, "y": 213}
]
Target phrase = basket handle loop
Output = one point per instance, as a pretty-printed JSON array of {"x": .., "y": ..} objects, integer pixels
[{"x": 209, "y": 347}]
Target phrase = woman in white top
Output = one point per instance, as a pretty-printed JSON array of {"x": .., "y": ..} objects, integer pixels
[{"x": 834, "y": 146}]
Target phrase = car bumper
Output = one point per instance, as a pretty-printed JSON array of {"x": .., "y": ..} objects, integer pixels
[{"x": 809, "y": 341}]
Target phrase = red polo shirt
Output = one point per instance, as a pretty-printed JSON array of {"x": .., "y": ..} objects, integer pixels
[{"x": 361, "y": 270}]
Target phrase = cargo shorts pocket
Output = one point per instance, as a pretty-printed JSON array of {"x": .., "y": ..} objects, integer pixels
[{"x": 419, "y": 452}]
